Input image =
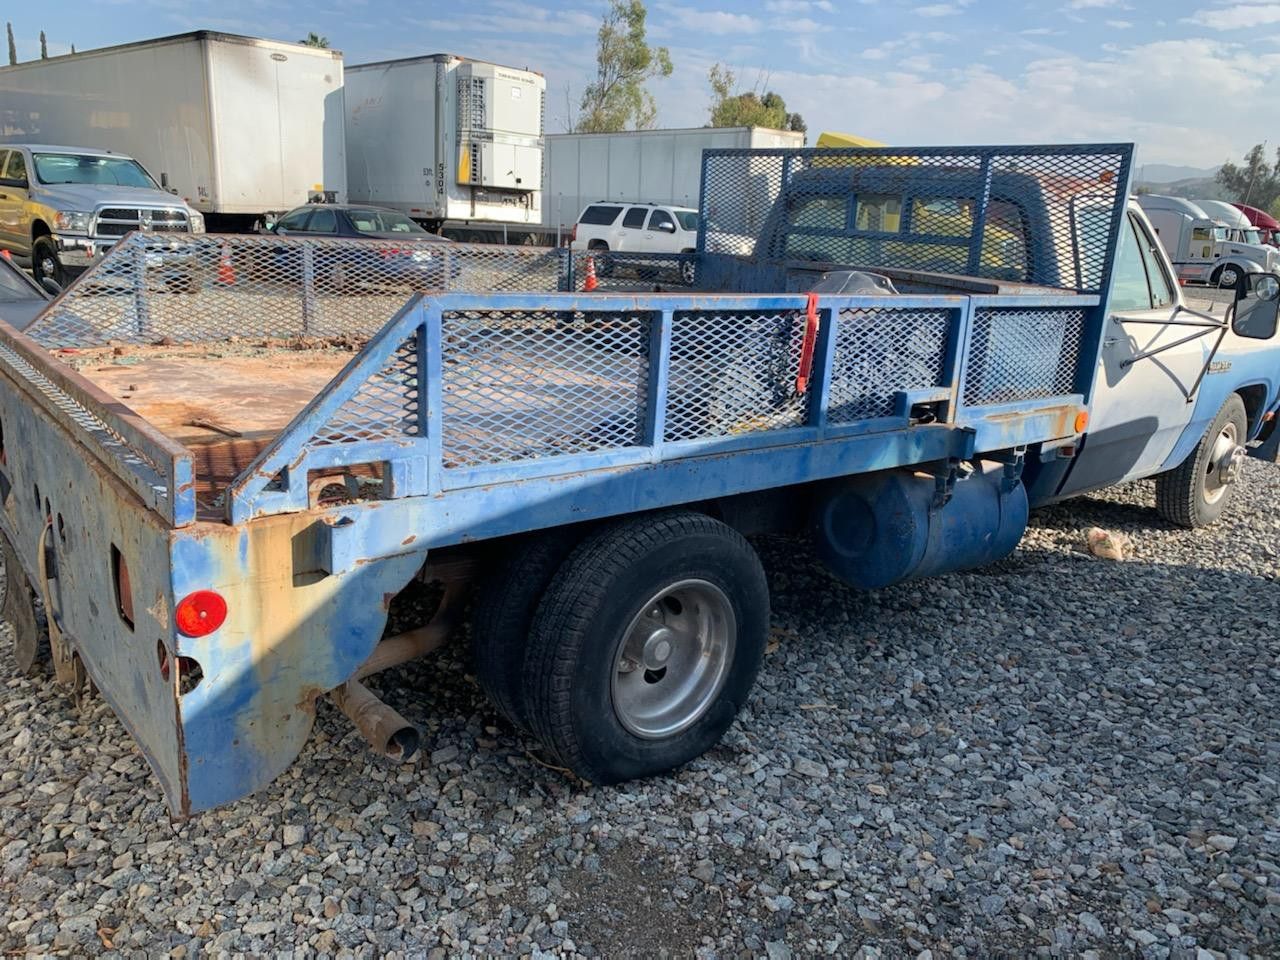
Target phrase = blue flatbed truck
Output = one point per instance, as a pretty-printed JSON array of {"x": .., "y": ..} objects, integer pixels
[{"x": 218, "y": 474}]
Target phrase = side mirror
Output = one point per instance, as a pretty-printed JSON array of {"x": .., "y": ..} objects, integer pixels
[
  {"x": 667, "y": 227},
  {"x": 51, "y": 285},
  {"x": 1257, "y": 306}
]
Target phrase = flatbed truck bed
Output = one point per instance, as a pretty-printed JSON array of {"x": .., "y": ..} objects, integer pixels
[{"x": 218, "y": 475}]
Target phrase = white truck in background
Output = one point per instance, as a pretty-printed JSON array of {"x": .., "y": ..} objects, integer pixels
[
  {"x": 237, "y": 127},
  {"x": 643, "y": 166},
  {"x": 1199, "y": 246},
  {"x": 454, "y": 143},
  {"x": 1239, "y": 229}
]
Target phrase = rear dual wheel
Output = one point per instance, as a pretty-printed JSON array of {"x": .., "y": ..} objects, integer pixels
[{"x": 642, "y": 648}]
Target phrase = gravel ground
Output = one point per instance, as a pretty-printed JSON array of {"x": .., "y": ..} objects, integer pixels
[{"x": 1060, "y": 756}]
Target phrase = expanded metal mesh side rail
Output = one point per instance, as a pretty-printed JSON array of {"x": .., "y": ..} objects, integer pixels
[
  {"x": 1042, "y": 215},
  {"x": 156, "y": 468},
  {"x": 461, "y": 392},
  {"x": 1021, "y": 353},
  {"x": 194, "y": 288}
]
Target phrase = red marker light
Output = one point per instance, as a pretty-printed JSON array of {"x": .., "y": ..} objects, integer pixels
[{"x": 200, "y": 613}]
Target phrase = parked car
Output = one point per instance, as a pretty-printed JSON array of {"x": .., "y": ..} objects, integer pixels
[
  {"x": 20, "y": 299},
  {"x": 419, "y": 262},
  {"x": 637, "y": 228},
  {"x": 62, "y": 208}
]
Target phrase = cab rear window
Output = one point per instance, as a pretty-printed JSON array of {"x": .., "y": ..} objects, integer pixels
[{"x": 600, "y": 215}]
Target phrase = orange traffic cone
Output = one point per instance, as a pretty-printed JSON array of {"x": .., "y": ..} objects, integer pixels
[
  {"x": 226, "y": 272},
  {"x": 589, "y": 283}
]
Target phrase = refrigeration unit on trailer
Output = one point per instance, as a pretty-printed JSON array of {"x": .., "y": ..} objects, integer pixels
[
  {"x": 237, "y": 126},
  {"x": 454, "y": 143}
]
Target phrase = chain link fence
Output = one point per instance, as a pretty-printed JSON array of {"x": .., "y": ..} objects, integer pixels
[{"x": 191, "y": 288}]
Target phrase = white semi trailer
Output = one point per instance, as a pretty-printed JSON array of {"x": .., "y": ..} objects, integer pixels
[
  {"x": 454, "y": 143},
  {"x": 646, "y": 166},
  {"x": 238, "y": 127}
]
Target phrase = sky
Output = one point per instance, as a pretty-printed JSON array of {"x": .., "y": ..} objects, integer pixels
[{"x": 1193, "y": 82}]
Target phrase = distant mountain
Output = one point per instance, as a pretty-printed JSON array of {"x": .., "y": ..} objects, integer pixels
[
  {"x": 1153, "y": 173},
  {"x": 1199, "y": 188}
]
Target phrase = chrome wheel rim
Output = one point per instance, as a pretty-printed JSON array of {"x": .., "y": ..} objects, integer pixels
[
  {"x": 1229, "y": 277},
  {"x": 49, "y": 268},
  {"x": 673, "y": 659},
  {"x": 687, "y": 272},
  {"x": 1225, "y": 461}
]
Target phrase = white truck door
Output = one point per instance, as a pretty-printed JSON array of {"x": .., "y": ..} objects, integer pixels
[
  {"x": 1139, "y": 406},
  {"x": 659, "y": 237},
  {"x": 631, "y": 233}
]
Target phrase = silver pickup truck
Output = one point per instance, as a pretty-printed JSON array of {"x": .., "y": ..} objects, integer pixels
[{"x": 62, "y": 208}]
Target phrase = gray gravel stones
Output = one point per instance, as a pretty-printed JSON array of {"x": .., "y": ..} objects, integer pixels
[{"x": 1061, "y": 757}]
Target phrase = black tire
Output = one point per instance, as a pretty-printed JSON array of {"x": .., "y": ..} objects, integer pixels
[
  {"x": 1183, "y": 494},
  {"x": 45, "y": 261},
  {"x": 583, "y": 621},
  {"x": 505, "y": 604},
  {"x": 1238, "y": 276},
  {"x": 31, "y": 650}
]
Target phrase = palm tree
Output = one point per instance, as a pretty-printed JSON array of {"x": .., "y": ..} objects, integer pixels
[{"x": 315, "y": 40}]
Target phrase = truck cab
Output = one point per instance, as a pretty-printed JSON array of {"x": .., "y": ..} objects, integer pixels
[
  {"x": 1200, "y": 246},
  {"x": 1178, "y": 395}
]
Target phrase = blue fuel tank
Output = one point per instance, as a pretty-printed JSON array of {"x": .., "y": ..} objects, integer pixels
[{"x": 877, "y": 529}]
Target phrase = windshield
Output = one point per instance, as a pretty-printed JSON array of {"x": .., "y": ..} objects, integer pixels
[
  {"x": 368, "y": 220},
  {"x": 55, "y": 168},
  {"x": 688, "y": 219},
  {"x": 1252, "y": 236},
  {"x": 13, "y": 288}
]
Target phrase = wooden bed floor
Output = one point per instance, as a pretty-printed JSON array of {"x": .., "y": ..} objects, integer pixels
[{"x": 224, "y": 404}]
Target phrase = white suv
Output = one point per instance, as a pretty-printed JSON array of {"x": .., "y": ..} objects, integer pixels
[{"x": 637, "y": 228}]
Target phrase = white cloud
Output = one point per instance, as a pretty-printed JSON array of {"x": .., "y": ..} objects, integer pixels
[
  {"x": 937, "y": 10},
  {"x": 712, "y": 22},
  {"x": 1120, "y": 24},
  {"x": 1090, "y": 4},
  {"x": 1237, "y": 16},
  {"x": 799, "y": 6},
  {"x": 802, "y": 25},
  {"x": 1120, "y": 97}
]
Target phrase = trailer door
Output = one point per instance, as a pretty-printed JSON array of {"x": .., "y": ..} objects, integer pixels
[
  {"x": 1140, "y": 407},
  {"x": 274, "y": 112}
]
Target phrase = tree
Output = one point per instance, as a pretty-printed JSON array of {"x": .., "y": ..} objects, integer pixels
[
  {"x": 731, "y": 108},
  {"x": 44, "y": 47},
  {"x": 13, "y": 47},
  {"x": 617, "y": 97},
  {"x": 315, "y": 40},
  {"x": 1256, "y": 181}
]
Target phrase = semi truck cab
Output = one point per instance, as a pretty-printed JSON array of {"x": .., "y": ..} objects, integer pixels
[{"x": 1200, "y": 246}]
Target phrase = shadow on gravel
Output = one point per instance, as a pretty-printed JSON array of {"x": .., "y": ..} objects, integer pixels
[{"x": 1056, "y": 753}]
